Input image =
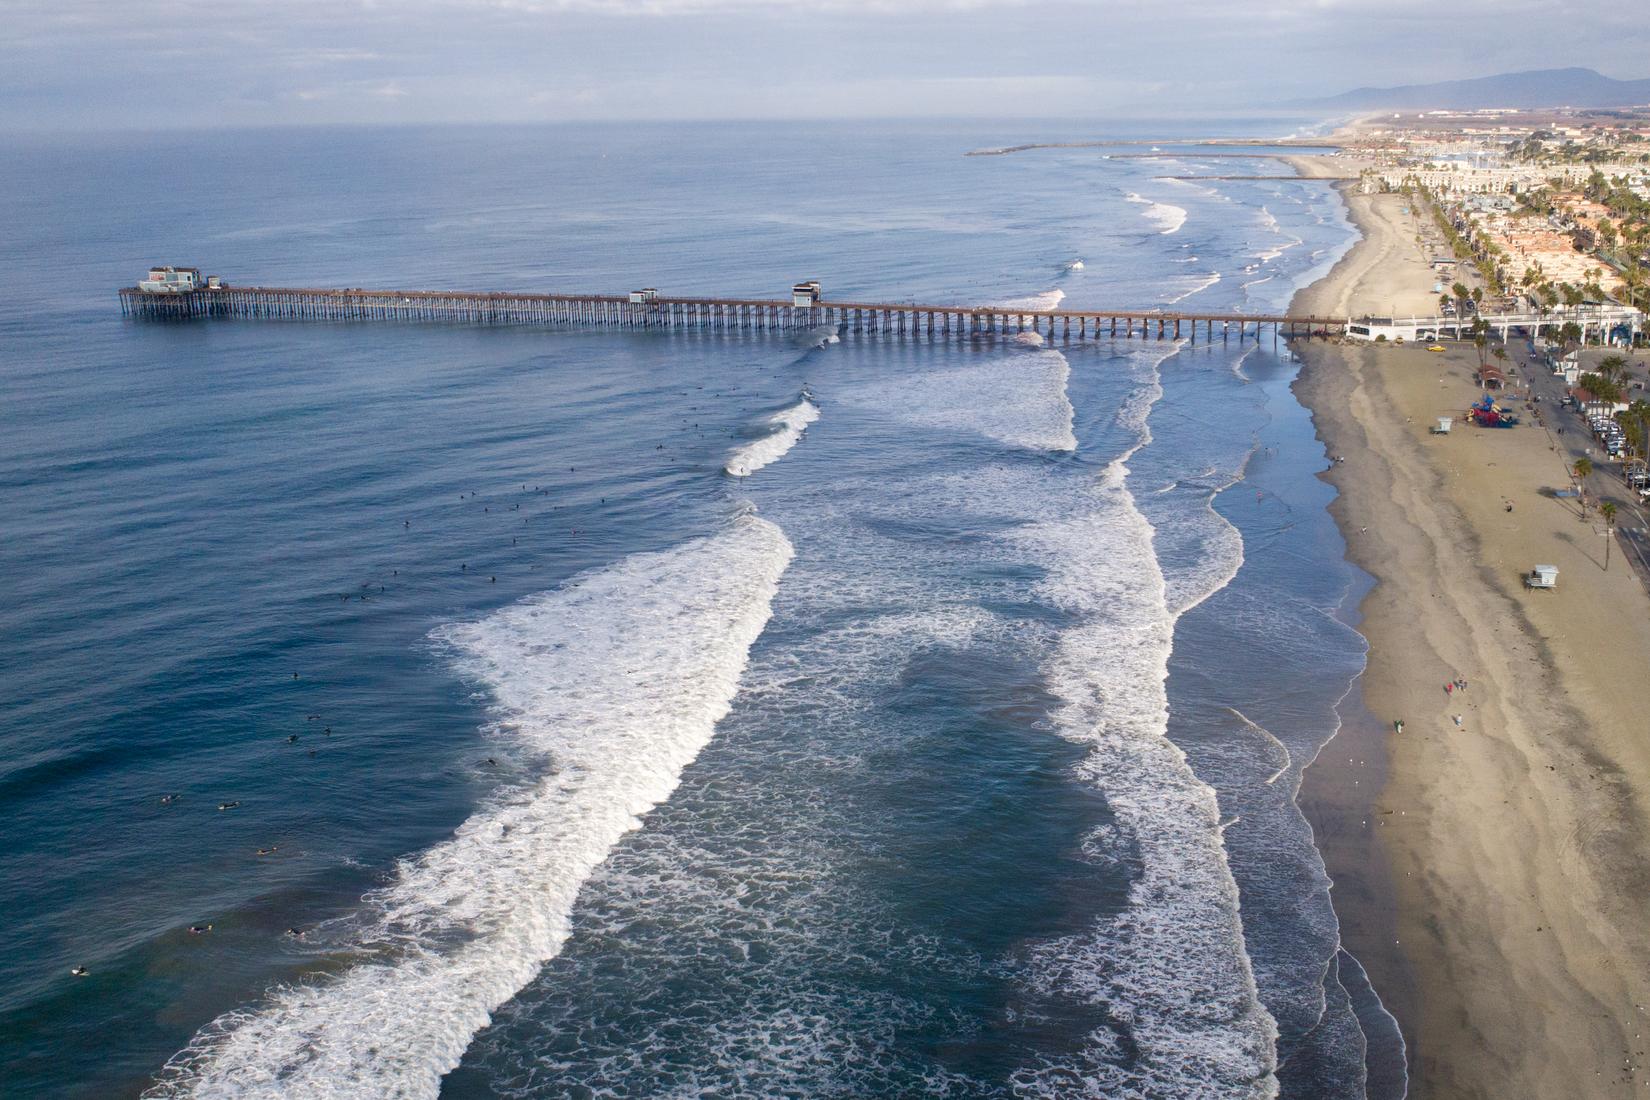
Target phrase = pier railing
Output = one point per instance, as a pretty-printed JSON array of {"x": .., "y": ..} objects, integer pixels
[{"x": 675, "y": 312}]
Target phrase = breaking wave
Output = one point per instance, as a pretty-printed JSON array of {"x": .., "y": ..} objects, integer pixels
[
  {"x": 1168, "y": 219},
  {"x": 1018, "y": 399},
  {"x": 785, "y": 428},
  {"x": 612, "y": 684},
  {"x": 1171, "y": 968},
  {"x": 1035, "y": 303}
]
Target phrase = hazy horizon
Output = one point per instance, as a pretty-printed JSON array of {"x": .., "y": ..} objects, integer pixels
[{"x": 97, "y": 65}]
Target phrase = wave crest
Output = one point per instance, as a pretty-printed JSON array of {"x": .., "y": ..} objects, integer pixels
[
  {"x": 616, "y": 680},
  {"x": 786, "y": 428}
]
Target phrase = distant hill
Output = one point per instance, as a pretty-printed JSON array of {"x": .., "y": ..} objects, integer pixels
[{"x": 1539, "y": 88}]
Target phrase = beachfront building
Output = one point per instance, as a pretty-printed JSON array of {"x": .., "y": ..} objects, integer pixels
[
  {"x": 1595, "y": 321},
  {"x": 1460, "y": 179}
]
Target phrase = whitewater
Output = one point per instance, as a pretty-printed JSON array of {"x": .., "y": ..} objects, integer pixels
[
  {"x": 783, "y": 430},
  {"x": 813, "y": 714},
  {"x": 610, "y": 685}
]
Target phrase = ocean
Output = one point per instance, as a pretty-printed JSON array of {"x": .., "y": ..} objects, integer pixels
[{"x": 428, "y": 710}]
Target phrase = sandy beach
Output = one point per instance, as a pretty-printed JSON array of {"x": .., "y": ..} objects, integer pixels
[{"x": 1490, "y": 860}]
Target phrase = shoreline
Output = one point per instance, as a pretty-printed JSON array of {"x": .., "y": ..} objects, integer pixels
[
  {"x": 1342, "y": 783},
  {"x": 1487, "y": 872}
]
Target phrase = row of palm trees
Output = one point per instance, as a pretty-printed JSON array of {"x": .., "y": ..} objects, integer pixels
[
  {"x": 1607, "y": 510},
  {"x": 1607, "y": 382}
]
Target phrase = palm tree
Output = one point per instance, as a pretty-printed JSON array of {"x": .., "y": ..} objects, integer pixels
[
  {"x": 1608, "y": 511},
  {"x": 1600, "y": 387},
  {"x": 1583, "y": 467},
  {"x": 1613, "y": 368},
  {"x": 1636, "y": 422}
]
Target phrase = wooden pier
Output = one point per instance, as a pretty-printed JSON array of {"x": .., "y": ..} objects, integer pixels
[{"x": 710, "y": 314}]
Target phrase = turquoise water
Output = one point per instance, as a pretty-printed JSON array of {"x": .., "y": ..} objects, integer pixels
[{"x": 949, "y": 749}]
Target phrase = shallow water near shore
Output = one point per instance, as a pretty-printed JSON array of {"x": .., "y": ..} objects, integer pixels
[{"x": 611, "y": 713}]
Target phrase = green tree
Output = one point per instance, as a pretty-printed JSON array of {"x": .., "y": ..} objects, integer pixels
[
  {"x": 1613, "y": 368},
  {"x": 1583, "y": 467},
  {"x": 1608, "y": 511},
  {"x": 1461, "y": 295},
  {"x": 1600, "y": 387},
  {"x": 1635, "y": 423}
]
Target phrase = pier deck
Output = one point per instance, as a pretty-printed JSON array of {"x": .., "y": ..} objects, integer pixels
[{"x": 747, "y": 314}]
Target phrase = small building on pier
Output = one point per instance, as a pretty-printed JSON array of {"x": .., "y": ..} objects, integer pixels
[
  {"x": 644, "y": 297},
  {"x": 806, "y": 294},
  {"x": 177, "y": 280},
  {"x": 172, "y": 280}
]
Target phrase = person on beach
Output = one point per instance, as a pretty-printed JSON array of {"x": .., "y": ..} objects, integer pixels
[{"x": 1398, "y": 725}]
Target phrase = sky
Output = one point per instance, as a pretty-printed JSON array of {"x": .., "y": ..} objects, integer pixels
[{"x": 142, "y": 64}]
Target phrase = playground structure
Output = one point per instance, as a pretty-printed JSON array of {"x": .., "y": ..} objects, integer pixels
[{"x": 1488, "y": 414}]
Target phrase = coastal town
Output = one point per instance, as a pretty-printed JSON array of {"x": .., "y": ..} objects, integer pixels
[
  {"x": 1534, "y": 231},
  {"x": 1487, "y": 417}
]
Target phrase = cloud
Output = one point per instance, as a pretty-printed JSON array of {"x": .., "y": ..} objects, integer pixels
[
  {"x": 73, "y": 63},
  {"x": 308, "y": 57}
]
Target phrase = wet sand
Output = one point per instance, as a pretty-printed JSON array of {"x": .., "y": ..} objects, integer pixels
[{"x": 1493, "y": 875}]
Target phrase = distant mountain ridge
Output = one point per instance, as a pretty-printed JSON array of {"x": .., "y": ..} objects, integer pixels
[{"x": 1537, "y": 88}]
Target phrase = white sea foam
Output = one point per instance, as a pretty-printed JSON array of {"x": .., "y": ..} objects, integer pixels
[
  {"x": 1172, "y": 966},
  {"x": 1270, "y": 221},
  {"x": 1075, "y": 265},
  {"x": 1035, "y": 303},
  {"x": 784, "y": 429},
  {"x": 893, "y": 565},
  {"x": 615, "y": 681},
  {"x": 1205, "y": 282},
  {"x": 1017, "y": 399},
  {"x": 1167, "y": 218}
]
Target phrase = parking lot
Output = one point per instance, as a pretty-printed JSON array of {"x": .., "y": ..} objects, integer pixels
[{"x": 1576, "y": 438}]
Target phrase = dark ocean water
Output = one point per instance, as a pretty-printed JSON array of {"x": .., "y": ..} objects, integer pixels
[{"x": 950, "y": 749}]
